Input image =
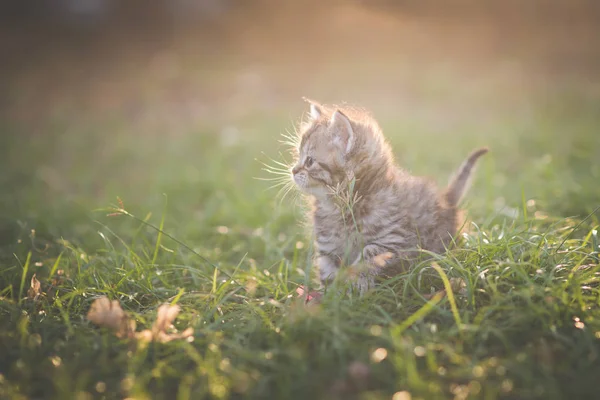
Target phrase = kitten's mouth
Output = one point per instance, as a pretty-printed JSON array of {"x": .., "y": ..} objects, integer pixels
[
  {"x": 305, "y": 183},
  {"x": 301, "y": 181},
  {"x": 312, "y": 188},
  {"x": 310, "y": 185}
]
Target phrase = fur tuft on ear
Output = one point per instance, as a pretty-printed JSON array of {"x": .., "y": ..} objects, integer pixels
[
  {"x": 343, "y": 134},
  {"x": 315, "y": 109}
]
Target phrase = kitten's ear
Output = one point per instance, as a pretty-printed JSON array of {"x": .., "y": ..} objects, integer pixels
[
  {"x": 343, "y": 134},
  {"x": 315, "y": 109}
]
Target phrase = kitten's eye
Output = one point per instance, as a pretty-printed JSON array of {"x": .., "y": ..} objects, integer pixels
[{"x": 309, "y": 161}]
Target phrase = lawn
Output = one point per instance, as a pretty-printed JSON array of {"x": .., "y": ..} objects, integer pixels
[{"x": 99, "y": 204}]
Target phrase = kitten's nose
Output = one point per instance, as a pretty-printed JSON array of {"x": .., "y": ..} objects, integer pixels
[{"x": 296, "y": 169}]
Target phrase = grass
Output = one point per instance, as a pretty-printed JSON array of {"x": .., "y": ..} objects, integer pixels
[{"x": 201, "y": 232}]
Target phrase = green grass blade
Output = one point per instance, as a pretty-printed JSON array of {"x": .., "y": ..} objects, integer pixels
[
  {"x": 160, "y": 232},
  {"x": 419, "y": 314},
  {"x": 24, "y": 276},
  {"x": 449, "y": 293}
]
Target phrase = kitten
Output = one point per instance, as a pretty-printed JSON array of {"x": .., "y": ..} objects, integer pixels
[{"x": 366, "y": 210}]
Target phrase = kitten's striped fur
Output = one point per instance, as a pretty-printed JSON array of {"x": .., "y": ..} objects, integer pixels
[{"x": 366, "y": 210}]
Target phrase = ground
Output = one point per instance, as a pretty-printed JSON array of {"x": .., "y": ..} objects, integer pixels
[{"x": 146, "y": 204}]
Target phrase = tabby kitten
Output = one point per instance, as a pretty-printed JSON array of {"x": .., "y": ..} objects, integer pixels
[{"x": 366, "y": 211}]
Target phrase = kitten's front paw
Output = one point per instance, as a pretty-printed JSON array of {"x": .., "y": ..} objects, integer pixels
[
  {"x": 363, "y": 283},
  {"x": 328, "y": 269}
]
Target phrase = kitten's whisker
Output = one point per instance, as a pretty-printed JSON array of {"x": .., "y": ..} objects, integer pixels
[
  {"x": 275, "y": 187},
  {"x": 286, "y": 193},
  {"x": 291, "y": 137},
  {"x": 278, "y": 166},
  {"x": 282, "y": 155},
  {"x": 283, "y": 192},
  {"x": 275, "y": 172},
  {"x": 279, "y": 179},
  {"x": 278, "y": 184},
  {"x": 284, "y": 165},
  {"x": 288, "y": 143},
  {"x": 272, "y": 178}
]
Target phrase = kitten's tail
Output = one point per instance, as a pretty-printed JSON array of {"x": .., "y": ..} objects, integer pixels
[{"x": 459, "y": 182}]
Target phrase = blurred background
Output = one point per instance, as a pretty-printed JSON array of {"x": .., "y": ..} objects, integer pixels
[
  {"x": 106, "y": 98},
  {"x": 199, "y": 59}
]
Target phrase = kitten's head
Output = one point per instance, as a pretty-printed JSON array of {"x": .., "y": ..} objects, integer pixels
[{"x": 333, "y": 145}]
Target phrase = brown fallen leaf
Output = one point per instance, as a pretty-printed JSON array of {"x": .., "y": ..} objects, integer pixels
[
  {"x": 403, "y": 395},
  {"x": 163, "y": 337},
  {"x": 55, "y": 282},
  {"x": 251, "y": 286},
  {"x": 165, "y": 316},
  {"x": 34, "y": 291},
  {"x": 458, "y": 285},
  {"x": 109, "y": 314}
]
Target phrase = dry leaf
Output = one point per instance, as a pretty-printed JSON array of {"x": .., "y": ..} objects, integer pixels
[
  {"x": 55, "y": 282},
  {"x": 458, "y": 285},
  {"x": 251, "y": 286},
  {"x": 403, "y": 395},
  {"x": 165, "y": 316},
  {"x": 109, "y": 314},
  {"x": 35, "y": 290},
  {"x": 164, "y": 337},
  {"x": 144, "y": 336}
]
